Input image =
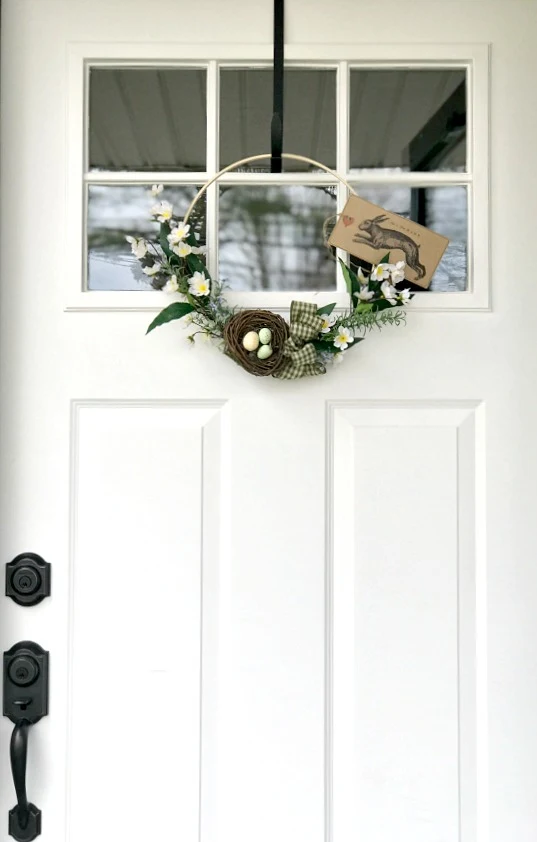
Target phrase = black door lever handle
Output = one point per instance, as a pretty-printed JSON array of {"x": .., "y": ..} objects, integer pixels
[
  {"x": 25, "y": 818},
  {"x": 25, "y": 703}
]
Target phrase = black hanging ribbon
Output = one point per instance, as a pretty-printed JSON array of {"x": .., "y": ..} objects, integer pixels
[{"x": 276, "y": 127}]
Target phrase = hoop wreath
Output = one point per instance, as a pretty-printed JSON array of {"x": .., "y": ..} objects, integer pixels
[{"x": 263, "y": 343}]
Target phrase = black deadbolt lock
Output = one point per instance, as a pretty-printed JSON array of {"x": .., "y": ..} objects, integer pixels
[{"x": 28, "y": 579}]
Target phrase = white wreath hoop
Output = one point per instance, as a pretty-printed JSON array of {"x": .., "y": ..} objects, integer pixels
[{"x": 314, "y": 336}]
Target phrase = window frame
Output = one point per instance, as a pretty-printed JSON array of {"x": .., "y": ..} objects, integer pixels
[{"x": 474, "y": 58}]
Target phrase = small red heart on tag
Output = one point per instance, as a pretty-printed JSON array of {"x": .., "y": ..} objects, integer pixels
[{"x": 347, "y": 220}]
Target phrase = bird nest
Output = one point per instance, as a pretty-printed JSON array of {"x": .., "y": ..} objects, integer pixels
[{"x": 254, "y": 320}]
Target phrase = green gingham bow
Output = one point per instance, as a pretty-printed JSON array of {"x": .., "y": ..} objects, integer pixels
[{"x": 300, "y": 355}]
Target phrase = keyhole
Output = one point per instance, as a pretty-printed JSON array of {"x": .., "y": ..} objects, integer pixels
[
  {"x": 26, "y": 581},
  {"x": 23, "y": 670}
]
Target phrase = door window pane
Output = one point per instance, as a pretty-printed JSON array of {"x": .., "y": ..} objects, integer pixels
[
  {"x": 147, "y": 119},
  {"x": 408, "y": 119},
  {"x": 117, "y": 211},
  {"x": 309, "y": 115},
  {"x": 271, "y": 238},
  {"x": 442, "y": 209}
]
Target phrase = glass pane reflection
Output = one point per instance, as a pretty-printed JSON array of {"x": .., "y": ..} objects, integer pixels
[
  {"x": 309, "y": 115},
  {"x": 147, "y": 119},
  {"x": 118, "y": 210},
  {"x": 442, "y": 209},
  {"x": 271, "y": 237},
  {"x": 408, "y": 119}
]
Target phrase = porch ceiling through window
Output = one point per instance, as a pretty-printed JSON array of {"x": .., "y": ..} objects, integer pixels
[{"x": 141, "y": 119}]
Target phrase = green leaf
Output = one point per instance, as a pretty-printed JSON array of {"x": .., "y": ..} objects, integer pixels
[
  {"x": 326, "y": 310},
  {"x": 383, "y": 304},
  {"x": 327, "y": 347},
  {"x": 351, "y": 280},
  {"x": 385, "y": 259},
  {"x": 364, "y": 307},
  {"x": 196, "y": 265},
  {"x": 175, "y": 311},
  {"x": 163, "y": 239}
]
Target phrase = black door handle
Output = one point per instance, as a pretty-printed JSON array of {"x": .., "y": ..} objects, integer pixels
[
  {"x": 25, "y": 703},
  {"x": 25, "y": 818}
]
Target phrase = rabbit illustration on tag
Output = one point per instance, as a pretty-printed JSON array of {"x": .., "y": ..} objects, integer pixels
[
  {"x": 375, "y": 231},
  {"x": 388, "y": 238}
]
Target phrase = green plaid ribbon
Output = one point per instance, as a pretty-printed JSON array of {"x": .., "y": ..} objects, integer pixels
[{"x": 300, "y": 355}]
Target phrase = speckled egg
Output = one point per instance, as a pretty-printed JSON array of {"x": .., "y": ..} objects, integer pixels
[
  {"x": 264, "y": 352},
  {"x": 265, "y": 335},
  {"x": 251, "y": 341}
]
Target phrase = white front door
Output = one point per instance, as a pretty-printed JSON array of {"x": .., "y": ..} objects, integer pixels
[{"x": 281, "y": 611}]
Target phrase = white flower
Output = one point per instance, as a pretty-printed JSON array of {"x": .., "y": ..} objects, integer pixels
[
  {"x": 156, "y": 189},
  {"x": 389, "y": 292},
  {"x": 163, "y": 211},
  {"x": 138, "y": 246},
  {"x": 378, "y": 273},
  {"x": 328, "y": 322},
  {"x": 365, "y": 294},
  {"x": 344, "y": 338},
  {"x": 338, "y": 358},
  {"x": 199, "y": 249},
  {"x": 172, "y": 285},
  {"x": 404, "y": 295},
  {"x": 361, "y": 277},
  {"x": 179, "y": 232},
  {"x": 397, "y": 271},
  {"x": 182, "y": 249},
  {"x": 199, "y": 285},
  {"x": 152, "y": 270}
]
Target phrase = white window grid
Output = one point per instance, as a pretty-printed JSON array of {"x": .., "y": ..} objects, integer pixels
[{"x": 473, "y": 59}]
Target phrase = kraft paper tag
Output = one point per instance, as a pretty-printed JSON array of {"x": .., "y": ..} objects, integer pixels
[{"x": 368, "y": 231}]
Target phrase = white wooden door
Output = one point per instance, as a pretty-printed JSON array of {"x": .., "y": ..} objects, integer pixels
[{"x": 301, "y": 611}]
